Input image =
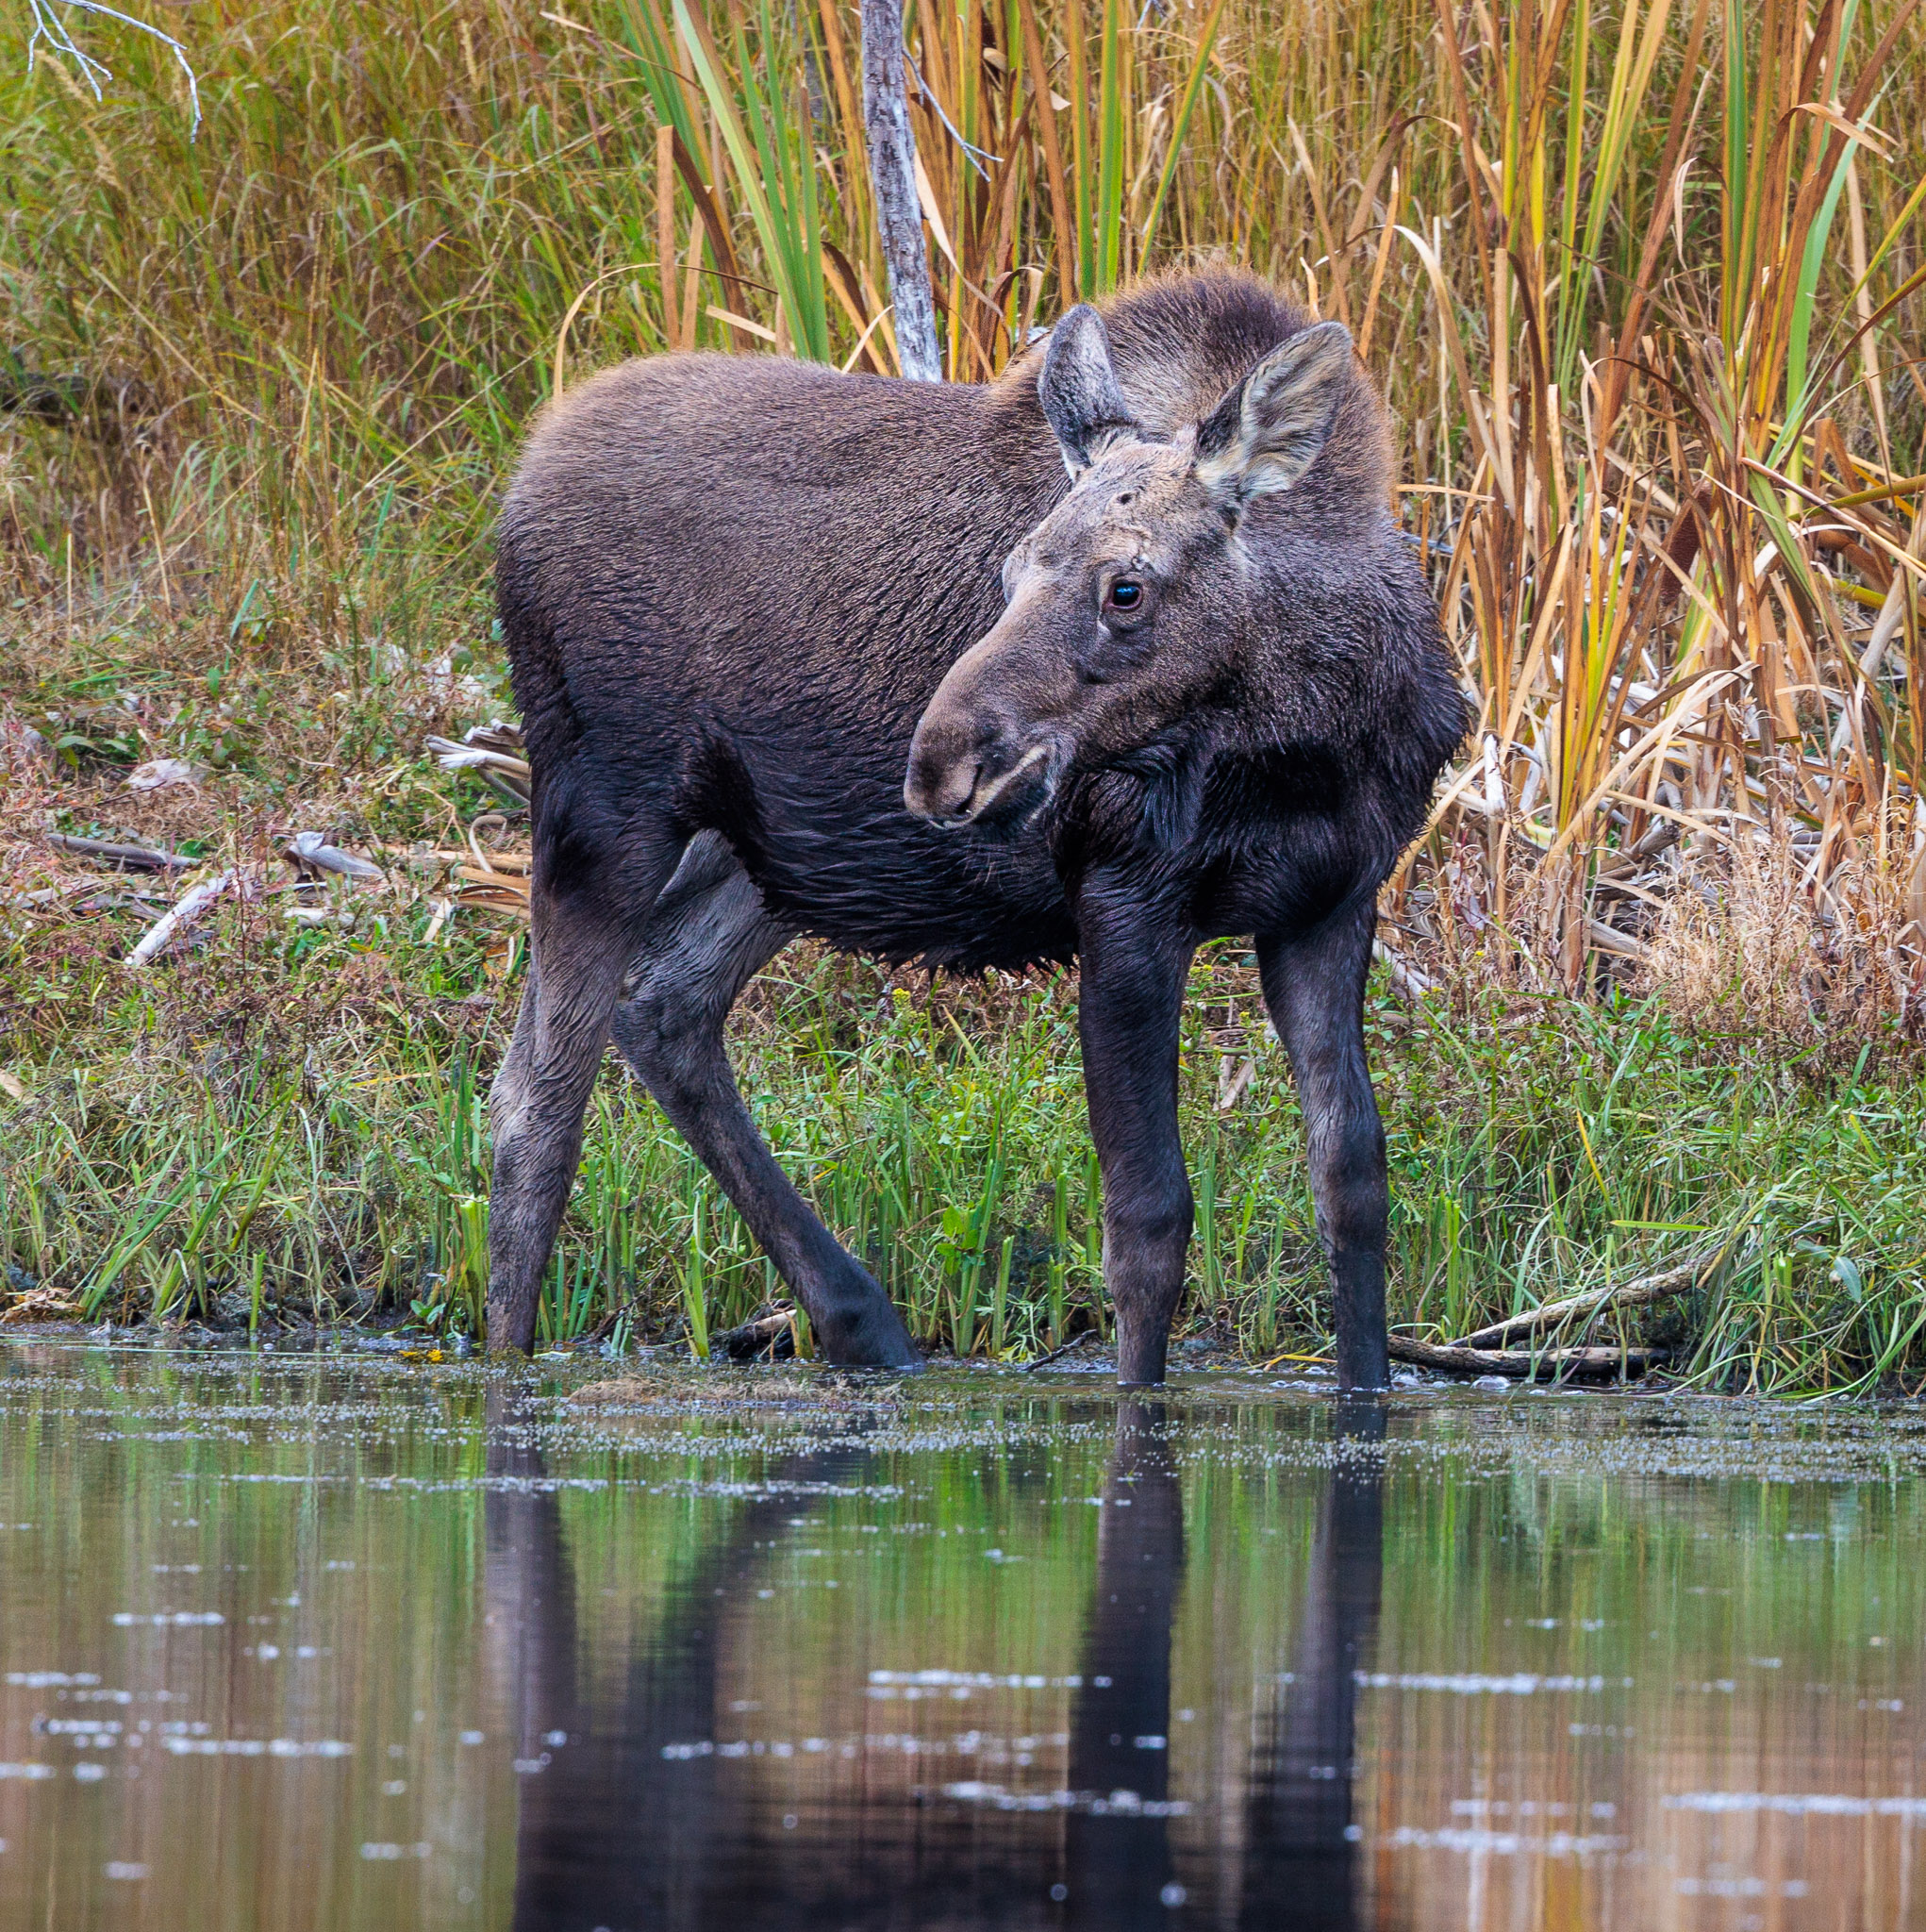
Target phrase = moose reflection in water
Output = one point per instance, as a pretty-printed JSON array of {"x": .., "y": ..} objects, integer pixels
[
  {"x": 630, "y": 1817},
  {"x": 1117, "y": 1862},
  {"x": 1301, "y": 1861}
]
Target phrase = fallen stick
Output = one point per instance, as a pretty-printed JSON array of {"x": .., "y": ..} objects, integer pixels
[
  {"x": 1056, "y": 1354},
  {"x": 1649, "y": 1288},
  {"x": 516, "y": 863},
  {"x": 1522, "y": 1364},
  {"x": 311, "y": 849},
  {"x": 183, "y": 913},
  {"x": 143, "y": 857},
  {"x": 758, "y": 1336}
]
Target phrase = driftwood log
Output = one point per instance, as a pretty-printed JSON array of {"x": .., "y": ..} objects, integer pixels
[
  {"x": 1651, "y": 1288},
  {"x": 1523, "y": 1364},
  {"x": 134, "y": 857},
  {"x": 1485, "y": 1352}
]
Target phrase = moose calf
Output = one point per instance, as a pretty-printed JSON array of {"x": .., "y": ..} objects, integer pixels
[{"x": 1137, "y": 622}]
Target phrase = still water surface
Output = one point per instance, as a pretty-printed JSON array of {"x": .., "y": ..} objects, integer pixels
[{"x": 326, "y": 1642}]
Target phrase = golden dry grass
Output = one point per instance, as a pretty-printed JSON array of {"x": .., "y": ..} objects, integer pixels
[{"x": 1642, "y": 283}]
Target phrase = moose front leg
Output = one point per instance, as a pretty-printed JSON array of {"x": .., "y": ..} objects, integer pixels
[
  {"x": 1314, "y": 987},
  {"x": 1133, "y": 965}
]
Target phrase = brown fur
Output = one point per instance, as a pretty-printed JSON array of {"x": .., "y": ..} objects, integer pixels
[{"x": 730, "y": 589}]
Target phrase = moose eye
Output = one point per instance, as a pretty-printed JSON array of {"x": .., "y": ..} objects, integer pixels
[{"x": 1126, "y": 596}]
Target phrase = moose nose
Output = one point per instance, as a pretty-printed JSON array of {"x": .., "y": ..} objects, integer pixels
[{"x": 949, "y": 758}]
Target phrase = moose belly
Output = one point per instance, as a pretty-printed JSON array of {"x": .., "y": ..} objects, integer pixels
[
  {"x": 1283, "y": 884},
  {"x": 834, "y": 853}
]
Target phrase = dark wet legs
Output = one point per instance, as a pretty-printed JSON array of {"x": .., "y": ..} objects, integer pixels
[
  {"x": 1300, "y": 1858},
  {"x": 1315, "y": 990},
  {"x": 706, "y": 936},
  {"x": 580, "y": 943},
  {"x": 663, "y": 965},
  {"x": 1133, "y": 965}
]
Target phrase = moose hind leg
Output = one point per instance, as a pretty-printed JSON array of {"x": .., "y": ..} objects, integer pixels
[
  {"x": 580, "y": 941},
  {"x": 1314, "y": 987},
  {"x": 706, "y": 935}
]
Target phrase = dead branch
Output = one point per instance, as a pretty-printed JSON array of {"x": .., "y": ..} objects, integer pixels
[
  {"x": 192, "y": 904},
  {"x": 1649, "y": 1288},
  {"x": 140, "y": 857},
  {"x": 1525, "y": 1364}
]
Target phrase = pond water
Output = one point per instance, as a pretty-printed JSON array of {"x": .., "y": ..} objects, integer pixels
[{"x": 305, "y": 1642}]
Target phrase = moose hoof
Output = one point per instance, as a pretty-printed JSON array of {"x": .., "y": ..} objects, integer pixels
[
  {"x": 508, "y": 1333},
  {"x": 1141, "y": 1359},
  {"x": 871, "y": 1337}
]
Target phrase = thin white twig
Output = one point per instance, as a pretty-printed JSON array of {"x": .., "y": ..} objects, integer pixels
[
  {"x": 50, "y": 28},
  {"x": 190, "y": 908},
  {"x": 972, "y": 154}
]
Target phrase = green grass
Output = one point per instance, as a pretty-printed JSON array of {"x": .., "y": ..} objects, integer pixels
[{"x": 298, "y": 1124}]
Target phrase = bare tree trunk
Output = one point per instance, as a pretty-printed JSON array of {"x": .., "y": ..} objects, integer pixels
[{"x": 892, "y": 174}]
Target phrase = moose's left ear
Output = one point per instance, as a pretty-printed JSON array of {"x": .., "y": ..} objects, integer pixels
[
  {"x": 1269, "y": 430},
  {"x": 1080, "y": 392}
]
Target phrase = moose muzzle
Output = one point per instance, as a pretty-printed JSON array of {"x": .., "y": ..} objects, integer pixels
[
  {"x": 965, "y": 767},
  {"x": 994, "y": 737}
]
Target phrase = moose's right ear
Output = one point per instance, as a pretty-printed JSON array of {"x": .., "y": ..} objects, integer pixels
[
  {"x": 1079, "y": 390},
  {"x": 1269, "y": 429}
]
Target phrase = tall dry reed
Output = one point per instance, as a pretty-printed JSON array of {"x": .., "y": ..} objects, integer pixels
[{"x": 1641, "y": 279}]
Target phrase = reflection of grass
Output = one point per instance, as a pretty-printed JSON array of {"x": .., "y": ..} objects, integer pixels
[
  {"x": 310, "y": 1559},
  {"x": 1537, "y": 1148},
  {"x": 262, "y": 387}
]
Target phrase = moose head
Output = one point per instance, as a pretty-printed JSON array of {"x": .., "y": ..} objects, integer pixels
[{"x": 1136, "y": 598}]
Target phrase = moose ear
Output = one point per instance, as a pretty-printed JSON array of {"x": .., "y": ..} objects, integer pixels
[
  {"x": 1079, "y": 390},
  {"x": 1268, "y": 431}
]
